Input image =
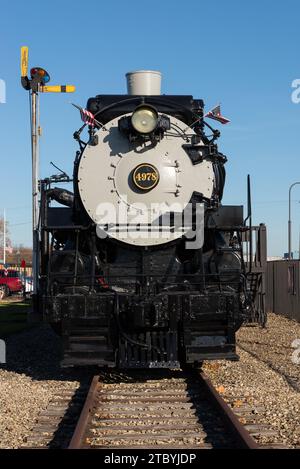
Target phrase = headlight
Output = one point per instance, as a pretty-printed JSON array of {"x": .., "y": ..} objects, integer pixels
[{"x": 144, "y": 119}]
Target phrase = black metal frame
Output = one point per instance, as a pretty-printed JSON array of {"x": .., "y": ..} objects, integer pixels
[
  {"x": 146, "y": 313},
  {"x": 191, "y": 313}
]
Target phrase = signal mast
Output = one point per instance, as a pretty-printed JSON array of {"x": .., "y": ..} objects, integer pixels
[{"x": 37, "y": 83}]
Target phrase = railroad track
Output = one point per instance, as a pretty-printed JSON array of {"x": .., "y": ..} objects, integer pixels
[
  {"x": 149, "y": 409},
  {"x": 157, "y": 409},
  {"x": 56, "y": 424}
]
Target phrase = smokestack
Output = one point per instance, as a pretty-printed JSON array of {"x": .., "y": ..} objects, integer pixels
[{"x": 143, "y": 82}]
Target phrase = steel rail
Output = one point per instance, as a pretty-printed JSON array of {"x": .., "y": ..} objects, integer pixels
[
  {"x": 243, "y": 437},
  {"x": 78, "y": 435}
]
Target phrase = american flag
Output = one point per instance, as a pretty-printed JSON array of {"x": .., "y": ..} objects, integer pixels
[
  {"x": 86, "y": 116},
  {"x": 215, "y": 114}
]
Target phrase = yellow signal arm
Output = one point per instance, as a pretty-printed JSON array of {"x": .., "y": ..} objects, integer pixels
[
  {"x": 24, "y": 61},
  {"x": 57, "y": 89}
]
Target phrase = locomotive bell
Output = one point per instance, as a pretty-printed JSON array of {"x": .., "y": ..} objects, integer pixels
[{"x": 143, "y": 82}]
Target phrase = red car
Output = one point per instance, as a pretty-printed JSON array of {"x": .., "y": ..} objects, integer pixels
[{"x": 11, "y": 280}]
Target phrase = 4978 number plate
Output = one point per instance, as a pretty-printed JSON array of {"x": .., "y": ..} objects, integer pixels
[{"x": 145, "y": 176}]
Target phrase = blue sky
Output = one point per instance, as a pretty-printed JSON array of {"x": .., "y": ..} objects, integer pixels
[{"x": 244, "y": 55}]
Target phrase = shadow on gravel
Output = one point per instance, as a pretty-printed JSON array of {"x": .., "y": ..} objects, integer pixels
[
  {"x": 36, "y": 352},
  {"x": 290, "y": 380},
  {"x": 62, "y": 436}
]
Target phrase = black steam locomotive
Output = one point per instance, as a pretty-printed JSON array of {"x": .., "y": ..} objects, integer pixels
[{"x": 141, "y": 265}]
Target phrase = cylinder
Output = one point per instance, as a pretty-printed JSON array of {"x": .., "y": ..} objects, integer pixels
[{"x": 143, "y": 82}]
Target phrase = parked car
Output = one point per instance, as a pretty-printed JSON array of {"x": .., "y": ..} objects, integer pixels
[
  {"x": 28, "y": 284},
  {"x": 11, "y": 280}
]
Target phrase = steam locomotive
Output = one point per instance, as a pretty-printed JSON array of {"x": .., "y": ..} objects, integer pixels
[{"x": 140, "y": 264}]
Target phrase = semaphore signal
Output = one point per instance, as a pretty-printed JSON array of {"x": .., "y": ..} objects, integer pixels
[{"x": 35, "y": 84}]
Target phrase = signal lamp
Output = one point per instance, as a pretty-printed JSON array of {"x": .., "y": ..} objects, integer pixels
[
  {"x": 144, "y": 119},
  {"x": 41, "y": 74}
]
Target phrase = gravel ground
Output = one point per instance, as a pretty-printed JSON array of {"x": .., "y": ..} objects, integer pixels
[
  {"x": 28, "y": 381},
  {"x": 265, "y": 377}
]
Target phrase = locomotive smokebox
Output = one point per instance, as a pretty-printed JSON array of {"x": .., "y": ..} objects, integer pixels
[{"x": 143, "y": 82}]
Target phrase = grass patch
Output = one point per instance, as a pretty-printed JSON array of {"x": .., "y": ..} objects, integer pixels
[{"x": 13, "y": 317}]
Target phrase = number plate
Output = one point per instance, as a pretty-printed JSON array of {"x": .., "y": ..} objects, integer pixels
[{"x": 145, "y": 176}]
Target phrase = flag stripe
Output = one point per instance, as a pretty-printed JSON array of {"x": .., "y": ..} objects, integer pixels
[
  {"x": 221, "y": 119},
  {"x": 87, "y": 117},
  {"x": 216, "y": 115}
]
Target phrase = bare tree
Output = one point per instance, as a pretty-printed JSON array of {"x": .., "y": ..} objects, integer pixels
[
  {"x": 19, "y": 254},
  {"x": 8, "y": 240},
  {"x": 14, "y": 254}
]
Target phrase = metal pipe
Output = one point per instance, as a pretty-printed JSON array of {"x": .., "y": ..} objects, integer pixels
[
  {"x": 290, "y": 222},
  {"x": 250, "y": 223},
  {"x": 4, "y": 238},
  {"x": 299, "y": 246},
  {"x": 35, "y": 190}
]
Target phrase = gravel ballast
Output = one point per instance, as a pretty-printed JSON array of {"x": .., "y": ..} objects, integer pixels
[
  {"x": 265, "y": 377},
  {"x": 28, "y": 381}
]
